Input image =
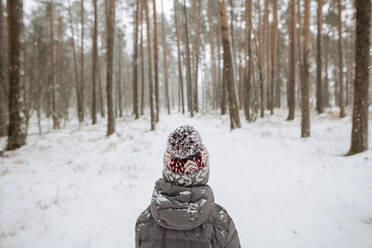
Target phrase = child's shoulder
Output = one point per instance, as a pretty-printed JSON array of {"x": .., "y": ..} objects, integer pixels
[
  {"x": 144, "y": 218},
  {"x": 219, "y": 216}
]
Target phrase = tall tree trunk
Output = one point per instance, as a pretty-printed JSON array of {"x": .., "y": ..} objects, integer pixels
[
  {"x": 195, "y": 53},
  {"x": 266, "y": 44},
  {"x": 77, "y": 79},
  {"x": 305, "y": 112},
  {"x": 213, "y": 55},
  {"x": 118, "y": 79},
  {"x": 292, "y": 63},
  {"x": 16, "y": 128},
  {"x": 166, "y": 90},
  {"x": 180, "y": 76},
  {"x": 326, "y": 80},
  {"x": 149, "y": 54},
  {"x": 3, "y": 109},
  {"x": 359, "y": 133},
  {"x": 94, "y": 64},
  {"x": 156, "y": 62},
  {"x": 340, "y": 61},
  {"x": 319, "y": 85},
  {"x": 135, "y": 64},
  {"x": 188, "y": 64},
  {"x": 248, "y": 69},
  {"x": 228, "y": 67},
  {"x": 274, "y": 44},
  {"x": 110, "y": 22},
  {"x": 102, "y": 106},
  {"x": 61, "y": 67},
  {"x": 52, "y": 66},
  {"x": 82, "y": 64},
  {"x": 142, "y": 65}
]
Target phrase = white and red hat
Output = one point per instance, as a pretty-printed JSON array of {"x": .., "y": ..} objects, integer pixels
[{"x": 186, "y": 159}]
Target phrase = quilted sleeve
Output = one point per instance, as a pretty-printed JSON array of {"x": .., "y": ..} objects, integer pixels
[{"x": 141, "y": 224}]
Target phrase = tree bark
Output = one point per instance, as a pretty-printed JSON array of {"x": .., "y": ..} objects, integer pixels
[
  {"x": 326, "y": 80},
  {"x": 292, "y": 62},
  {"x": 110, "y": 21},
  {"x": 142, "y": 65},
  {"x": 274, "y": 44},
  {"x": 248, "y": 69},
  {"x": 188, "y": 64},
  {"x": 120, "y": 74},
  {"x": 52, "y": 84},
  {"x": 195, "y": 53},
  {"x": 359, "y": 133},
  {"x": 3, "y": 109},
  {"x": 149, "y": 54},
  {"x": 135, "y": 63},
  {"x": 340, "y": 61},
  {"x": 77, "y": 79},
  {"x": 82, "y": 112},
  {"x": 305, "y": 113},
  {"x": 180, "y": 76},
  {"x": 319, "y": 85},
  {"x": 16, "y": 128},
  {"x": 156, "y": 62},
  {"x": 165, "y": 62},
  {"x": 94, "y": 64},
  {"x": 228, "y": 67}
]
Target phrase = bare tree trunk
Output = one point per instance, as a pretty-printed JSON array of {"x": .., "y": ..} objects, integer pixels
[
  {"x": 292, "y": 63},
  {"x": 340, "y": 61},
  {"x": 52, "y": 86},
  {"x": 156, "y": 62},
  {"x": 248, "y": 69},
  {"x": 94, "y": 64},
  {"x": 16, "y": 128},
  {"x": 274, "y": 44},
  {"x": 228, "y": 67},
  {"x": 326, "y": 80},
  {"x": 188, "y": 65},
  {"x": 166, "y": 93},
  {"x": 3, "y": 109},
  {"x": 266, "y": 54},
  {"x": 77, "y": 79},
  {"x": 135, "y": 64},
  {"x": 82, "y": 63},
  {"x": 102, "y": 106},
  {"x": 305, "y": 112},
  {"x": 195, "y": 53},
  {"x": 213, "y": 55},
  {"x": 142, "y": 65},
  {"x": 260, "y": 53},
  {"x": 359, "y": 133},
  {"x": 319, "y": 85},
  {"x": 110, "y": 21},
  {"x": 153, "y": 121},
  {"x": 119, "y": 78},
  {"x": 180, "y": 76}
]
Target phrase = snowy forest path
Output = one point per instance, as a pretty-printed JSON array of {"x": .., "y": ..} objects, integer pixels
[{"x": 79, "y": 188}]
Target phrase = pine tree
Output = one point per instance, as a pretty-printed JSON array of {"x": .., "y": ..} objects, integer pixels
[
  {"x": 359, "y": 133},
  {"x": 110, "y": 27},
  {"x": 228, "y": 67},
  {"x": 16, "y": 128}
]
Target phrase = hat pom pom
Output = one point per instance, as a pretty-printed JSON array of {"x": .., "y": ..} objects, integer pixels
[{"x": 184, "y": 142}]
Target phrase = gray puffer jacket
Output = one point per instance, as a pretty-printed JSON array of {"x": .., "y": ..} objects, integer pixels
[{"x": 185, "y": 217}]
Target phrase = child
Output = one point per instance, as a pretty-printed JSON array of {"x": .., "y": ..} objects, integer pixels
[{"x": 183, "y": 213}]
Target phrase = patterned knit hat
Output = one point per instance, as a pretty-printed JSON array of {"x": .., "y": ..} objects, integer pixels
[{"x": 185, "y": 159}]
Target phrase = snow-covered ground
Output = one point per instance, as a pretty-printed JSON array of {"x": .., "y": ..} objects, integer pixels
[{"x": 76, "y": 188}]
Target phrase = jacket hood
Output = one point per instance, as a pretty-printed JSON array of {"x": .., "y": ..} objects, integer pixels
[{"x": 181, "y": 208}]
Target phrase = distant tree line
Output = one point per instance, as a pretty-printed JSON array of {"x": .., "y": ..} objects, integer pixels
[{"x": 73, "y": 57}]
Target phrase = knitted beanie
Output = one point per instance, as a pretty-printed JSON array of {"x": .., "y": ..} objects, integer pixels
[{"x": 185, "y": 159}]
